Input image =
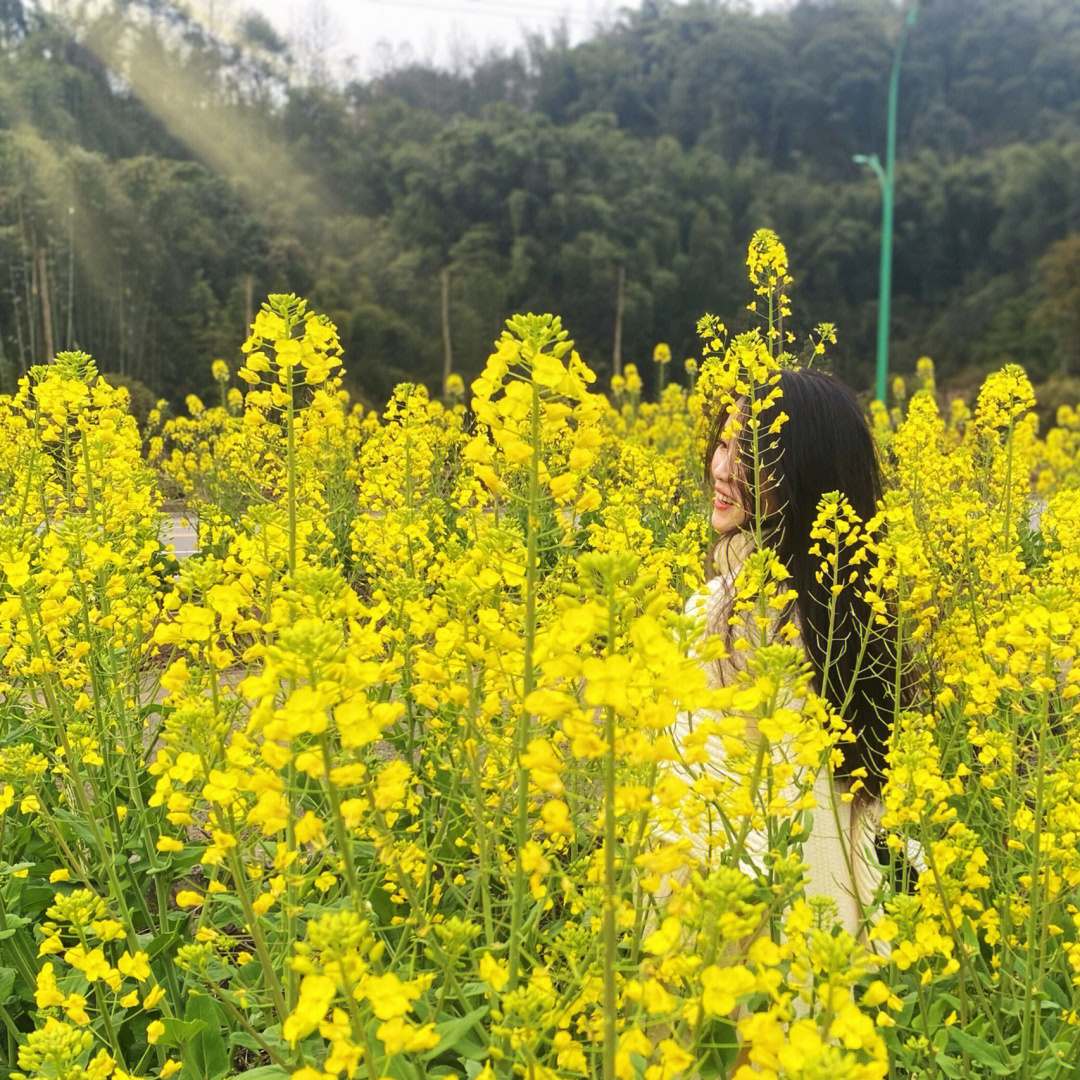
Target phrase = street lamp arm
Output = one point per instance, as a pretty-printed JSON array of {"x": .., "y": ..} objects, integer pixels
[{"x": 874, "y": 162}]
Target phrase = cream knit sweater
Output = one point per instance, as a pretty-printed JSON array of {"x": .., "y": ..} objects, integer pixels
[{"x": 839, "y": 849}]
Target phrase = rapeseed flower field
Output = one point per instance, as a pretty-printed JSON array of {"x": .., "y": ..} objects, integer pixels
[{"x": 381, "y": 782}]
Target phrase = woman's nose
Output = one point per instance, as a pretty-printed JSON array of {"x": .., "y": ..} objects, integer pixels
[{"x": 721, "y": 463}]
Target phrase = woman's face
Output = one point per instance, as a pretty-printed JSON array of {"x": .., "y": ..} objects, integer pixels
[{"x": 728, "y": 513}]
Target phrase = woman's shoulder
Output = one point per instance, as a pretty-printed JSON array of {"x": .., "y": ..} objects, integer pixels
[
  {"x": 698, "y": 603},
  {"x": 728, "y": 557},
  {"x": 731, "y": 550}
]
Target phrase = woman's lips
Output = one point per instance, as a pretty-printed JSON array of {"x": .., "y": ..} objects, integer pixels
[{"x": 722, "y": 502}]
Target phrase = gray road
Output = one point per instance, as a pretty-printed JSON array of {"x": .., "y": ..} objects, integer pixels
[{"x": 180, "y": 532}]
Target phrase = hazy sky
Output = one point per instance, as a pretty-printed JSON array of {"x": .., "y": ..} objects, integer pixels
[{"x": 373, "y": 32}]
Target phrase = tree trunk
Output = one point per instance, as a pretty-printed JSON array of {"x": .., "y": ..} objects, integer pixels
[
  {"x": 33, "y": 303},
  {"x": 620, "y": 301},
  {"x": 7, "y": 376},
  {"x": 28, "y": 269},
  {"x": 69, "y": 340},
  {"x": 120, "y": 324},
  {"x": 16, "y": 304},
  {"x": 46, "y": 306},
  {"x": 142, "y": 349},
  {"x": 448, "y": 360}
]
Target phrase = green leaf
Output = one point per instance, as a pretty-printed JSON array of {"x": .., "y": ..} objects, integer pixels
[
  {"x": 242, "y": 1038},
  {"x": 982, "y": 1053},
  {"x": 401, "y": 1069},
  {"x": 162, "y": 943},
  {"x": 7, "y": 982},
  {"x": 205, "y": 1056},
  {"x": 937, "y": 1014},
  {"x": 179, "y": 1032},
  {"x": 266, "y": 1072},
  {"x": 181, "y": 860},
  {"x": 1058, "y": 996},
  {"x": 948, "y": 1065},
  {"x": 940, "y": 1039},
  {"x": 452, "y": 1035}
]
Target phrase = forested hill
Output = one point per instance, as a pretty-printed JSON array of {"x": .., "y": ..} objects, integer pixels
[{"x": 157, "y": 179}]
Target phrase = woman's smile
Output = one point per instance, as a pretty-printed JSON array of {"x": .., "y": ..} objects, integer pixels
[
  {"x": 722, "y": 501},
  {"x": 727, "y": 509}
]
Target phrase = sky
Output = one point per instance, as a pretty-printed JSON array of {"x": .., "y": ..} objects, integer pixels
[{"x": 370, "y": 35}]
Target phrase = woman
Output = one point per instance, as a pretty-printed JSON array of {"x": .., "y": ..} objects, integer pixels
[{"x": 823, "y": 446}]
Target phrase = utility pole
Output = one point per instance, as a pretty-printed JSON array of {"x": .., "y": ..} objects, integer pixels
[{"x": 887, "y": 178}]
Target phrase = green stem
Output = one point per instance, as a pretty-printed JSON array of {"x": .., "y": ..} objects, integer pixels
[
  {"x": 292, "y": 979},
  {"x": 106, "y": 1020},
  {"x": 832, "y": 616},
  {"x": 954, "y": 933},
  {"x": 924, "y": 1011},
  {"x": 482, "y": 855},
  {"x": 79, "y": 784},
  {"x": 1033, "y": 902},
  {"x": 521, "y": 824},
  {"x": 339, "y": 824},
  {"x": 240, "y": 882},
  {"x": 26, "y": 490},
  {"x": 290, "y": 469},
  {"x": 610, "y": 880},
  {"x": 243, "y": 1021},
  {"x": 1005, "y": 539},
  {"x": 90, "y": 504},
  {"x": 12, "y": 1030}
]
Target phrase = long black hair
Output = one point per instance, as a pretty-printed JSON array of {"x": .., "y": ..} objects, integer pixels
[{"x": 824, "y": 445}]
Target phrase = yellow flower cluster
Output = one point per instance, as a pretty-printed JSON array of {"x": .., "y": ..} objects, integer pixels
[
  {"x": 418, "y": 766},
  {"x": 978, "y": 567}
]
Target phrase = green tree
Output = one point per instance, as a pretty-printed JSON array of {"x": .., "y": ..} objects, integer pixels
[{"x": 1059, "y": 312}]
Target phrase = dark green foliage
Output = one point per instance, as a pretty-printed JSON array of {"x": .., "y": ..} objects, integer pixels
[
  {"x": 142, "y": 397},
  {"x": 154, "y": 209}
]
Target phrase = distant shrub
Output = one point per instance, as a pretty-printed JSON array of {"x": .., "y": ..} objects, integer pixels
[{"x": 143, "y": 399}]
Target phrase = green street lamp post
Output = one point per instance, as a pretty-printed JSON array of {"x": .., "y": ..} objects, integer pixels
[{"x": 886, "y": 177}]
